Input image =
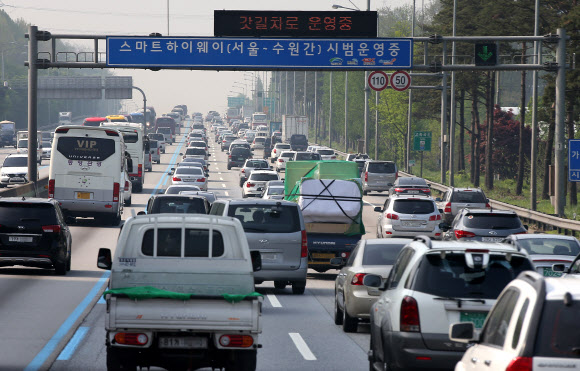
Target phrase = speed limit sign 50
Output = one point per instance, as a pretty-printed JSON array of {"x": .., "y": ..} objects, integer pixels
[
  {"x": 400, "y": 80},
  {"x": 378, "y": 80}
]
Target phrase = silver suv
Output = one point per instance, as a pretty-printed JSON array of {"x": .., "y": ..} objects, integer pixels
[
  {"x": 456, "y": 199},
  {"x": 276, "y": 229},
  {"x": 378, "y": 176}
]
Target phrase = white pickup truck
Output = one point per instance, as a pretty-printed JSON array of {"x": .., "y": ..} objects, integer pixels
[{"x": 181, "y": 294}]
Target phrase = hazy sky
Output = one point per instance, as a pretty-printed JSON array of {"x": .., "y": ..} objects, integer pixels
[{"x": 200, "y": 90}]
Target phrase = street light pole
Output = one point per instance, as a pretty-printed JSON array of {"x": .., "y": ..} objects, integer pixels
[
  {"x": 367, "y": 89},
  {"x": 330, "y": 115},
  {"x": 346, "y": 111}
]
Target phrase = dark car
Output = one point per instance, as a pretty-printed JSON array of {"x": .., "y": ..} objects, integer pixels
[
  {"x": 299, "y": 142},
  {"x": 238, "y": 157},
  {"x": 410, "y": 185},
  {"x": 484, "y": 225},
  {"x": 177, "y": 204},
  {"x": 34, "y": 233}
]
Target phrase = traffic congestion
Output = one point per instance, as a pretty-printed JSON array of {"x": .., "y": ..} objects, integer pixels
[{"x": 191, "y": 241}]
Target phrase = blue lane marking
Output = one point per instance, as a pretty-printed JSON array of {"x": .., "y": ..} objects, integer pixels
[
  {"x": 49, "y": 348},
  {"x": 44, "y": 167},
  {"x": 101, "y": 300},
  {"x": 164, "y": 177},
  {"x": 72, "y": 345}
]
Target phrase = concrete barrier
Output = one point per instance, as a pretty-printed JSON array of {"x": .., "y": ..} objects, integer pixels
[{"x": 27, "y": 190}]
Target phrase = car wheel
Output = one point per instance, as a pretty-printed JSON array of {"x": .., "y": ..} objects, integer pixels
[
  {"x": 337, "y": 312},
  {"x": 60, "y": 268},
  {"x": 244, "y": 195},
  {"x": 158, "y": 162},
  {"x": 349, "y": 324},
  {"x": 365, "y": 193},
  {"x": 68, "y": 262},
  {"x": 116, "y": 220},
  {"x": 277, "y": 169},
  {"x": 298, "y": 288},
  {"x": 280, "y": 285},
  {"x": 229, "y": 167},
  {"x": 128, "y": 202}
]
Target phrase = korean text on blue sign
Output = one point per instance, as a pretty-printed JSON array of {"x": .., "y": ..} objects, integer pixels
[
  {"x": 574, "y": 160},
  {"x": 263, "y": 53}
]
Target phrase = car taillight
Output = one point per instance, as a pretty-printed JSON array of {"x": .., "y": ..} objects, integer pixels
[
  {"x": 244, "y": 171},
  {"x": 274, "y": 150},
  {"x": 366, "y": 176},
  {"x": 229, "y": 156},
  {"x": 409, "y": 315},
  {"x": 248, "y": 185},
  {"x": 280, "y": 160},
  {"x": 487, "y": 206},
  {"x": 520, "y": 364},
  {"x": 236, "y": 341},
  {"x": 51, "y": 188},
  {"x": 116, "y": 190},
  {"x": 158, "y": 151},
  {"x": 396, "y": 175},
  {"x": 176, "y": 179},
  {"x": 461, "y": 234},
  {"x": 200, "y": 180},
  {"x": 140, "y": 170},
  {"x": 128, "y": 338},
  {"x": 357, "y": 279},
  {"x": 304, "y": 248},
  {"x": 223, "y": 141},
  {"x": 435, "y": 217},
  {"x": 399, "y": 189},
  {"x": 447, "y": 207},
  {"x": 51, "y": 228},
  {"x": 392, "y": 216},
  {"x": 333, "y": 158}
]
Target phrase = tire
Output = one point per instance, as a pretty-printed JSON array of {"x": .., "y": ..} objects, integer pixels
[
  {"x": 116, "y": 361},
  {"x": 298, "y": 288},
  {"x": 337, "y": 313},
  {"x": 116, "y": 220},
  {"x": 138, "y": 188},
  {"x": 128, "y": 202},
  {"x": 349, "y": 324},
  {"x": 365, "y": 193},
  {"x": 280, "y": 285},
  {"x": 158, "y": 161},
  {"x": 277, "y": 169},
  {"x": 68, "y": 263},
  {"x": 243, "y": 360},
  {"x": 229, "y": 167},
  {"x": 372, "y": 359},
  {"x": 60, "y": 266}
]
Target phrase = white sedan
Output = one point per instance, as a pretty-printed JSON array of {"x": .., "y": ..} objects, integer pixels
[
  {"x": 284, "y": 157},
  {"x": 188, "y": 175}
]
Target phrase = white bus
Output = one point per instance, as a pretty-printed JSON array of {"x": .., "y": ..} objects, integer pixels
[
  {"x": 133, "y": 137},
  {"x": 87, "y": 168}
]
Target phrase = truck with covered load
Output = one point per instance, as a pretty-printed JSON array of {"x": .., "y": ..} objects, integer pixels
[
  {"x": 330, "y": 197},
  {"x": 65, "y": 118},
  {"x": 293, "y": 125}
]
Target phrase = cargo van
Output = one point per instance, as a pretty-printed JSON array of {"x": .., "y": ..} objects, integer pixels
[
  {"x": 86, "y": 173},
  {"x": 133, "y": 137}
]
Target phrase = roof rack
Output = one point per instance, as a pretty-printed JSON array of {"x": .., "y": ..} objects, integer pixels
[{"x": 425, "y": 239}]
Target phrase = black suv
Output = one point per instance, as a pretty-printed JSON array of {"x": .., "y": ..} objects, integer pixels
[
  {"x": 299, "y": 142},
  {"x": 177, "y": 204},
  {"x": 33, "y": 232},
  {"x": 238, "y": 157}
]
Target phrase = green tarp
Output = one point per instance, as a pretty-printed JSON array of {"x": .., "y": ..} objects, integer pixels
[{"x": 150, "y": 292}]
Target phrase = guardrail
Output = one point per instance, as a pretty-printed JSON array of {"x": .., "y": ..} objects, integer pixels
[{"x": 541, "y": 220}]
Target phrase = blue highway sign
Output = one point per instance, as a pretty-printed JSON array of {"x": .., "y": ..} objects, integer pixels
[
  {"x": 574, "y": 160},
  {"x": 220, "y": 53}
]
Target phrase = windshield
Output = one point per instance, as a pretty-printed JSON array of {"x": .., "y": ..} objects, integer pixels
[
  {"x": 15, "y": 162},
  {"x": 379, "y": 254},
  {"x": 263, "y": 177},
  {"x": 468, "y": 197},
  {"x": 414, "y": 206},
  {"x": 549, "y": 246},
  {"x": 492, "y": 221},
  {"x": 381, "y": 167},
  {"x": 276, "y": 190},
  {"x": 195, "y": 151},
  {"x": 451, "y": 277},
  {"x": 130, "y": 137},
  {"x": 267, "y": 218},
  {"x": 325, "y": 152}
]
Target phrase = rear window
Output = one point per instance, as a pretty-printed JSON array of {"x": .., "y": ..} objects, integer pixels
[
  {"x": 260, "y": 139},
  {"x": 414, "y": 206},
  {"x": 381, "y": 167},
  {"x": 153, "y": 144},
  {"x": 282, "y": 146},
  {"x": 189, "y": 170},
  {"x": 156, "y": 136},
  {"x": 451, "y": 277},
  {"x": 86, "y": 148},
  {"x": 325, "y": 152},
  {"x": 169, "y": 244},
  {"x": 195, "y": 151},
  {"x": 164, "y": 130},
  {"x": 554, "y": 338},
  {"x": 257, "y": 164},
  {"x": 276, "y": 190},
  {"x": 173, "y": 190},
  {"x": 165, "y": 121},
  {"x": 130, "y": 137},
  {"x": 197, "y": 144},
  {"x": 240, "y": 151},
  {"x": 410, "y": 182},
  {"x": 23, "y": 143},
  {"x": 231, "y": 138},
  {"x": 492, "y": 221},
  {"x": 468, "y": 197},
  {"x": 181, "y": 205},
  {"x": 263, "y": 177},
  {"x": 550, "y": 246},
  {"x": 287, "y": 155},
  {"x": 267, "y": 218},
  {"x": 381, "y": 254},
  {"x": 22, "y": 212},
  {"x": 15, "y": 162},
  {"x": 307, "y": 157}
]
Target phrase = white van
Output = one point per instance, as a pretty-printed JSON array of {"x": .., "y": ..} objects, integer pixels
[
  {"x": 87, "y": 172},
  {"x": 133, "y": 137}
]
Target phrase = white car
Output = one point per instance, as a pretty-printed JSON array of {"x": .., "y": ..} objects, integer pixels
[
  {"x": 256, "y": 182},
  {"x": 46, "y": 149},
  {"x": 22, "y": 149},
  {"x": 284, "y": 157},
  {"x": 128, "y": 190},
  {"x": 325, "y": 153},
  {"x": 14, "y": 170},
  {"x": 279, "y": 148},
  {"x": 189, "y": 175}
]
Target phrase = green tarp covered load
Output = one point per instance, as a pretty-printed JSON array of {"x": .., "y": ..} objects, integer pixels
[
  {"x": 327, "y": 192},
  {"x": 150, "y": 292}
]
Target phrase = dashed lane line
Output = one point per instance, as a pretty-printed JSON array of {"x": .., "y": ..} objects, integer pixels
[
  {"x": 302, "y": 346},
  {"x": 274, "y": 301}
]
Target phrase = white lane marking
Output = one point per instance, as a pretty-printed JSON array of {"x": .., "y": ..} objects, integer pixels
[
  {"x": 226, "y": 193},
  {"x": 223, "y": 185},
  {"x": 219, "y": 172},
  {"x": 221, "y": 178},
  {"x": 368, "y": 203},
  {"x": 274, "y": 301},
  {"x": 302, "y": 346}
]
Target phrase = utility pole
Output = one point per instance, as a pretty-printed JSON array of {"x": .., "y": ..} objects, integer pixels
[
  {"x": 367, "y": 89},
  {"x": 410, "y": 109},
  {"x": 452, "y": 120},
  {"x": 32, "y": 104},
  {"x": 377, "y": 125},
  {"x": 346, "y": 111},
  {"x": 294, "y": 94},
  {"x": 304, "y": 104},
  {"x": 330, "y": 115},
  {"x": 560, "y": 158},
  {"x": 316, "y": 106},
  {"x": 534, "y": 152}
]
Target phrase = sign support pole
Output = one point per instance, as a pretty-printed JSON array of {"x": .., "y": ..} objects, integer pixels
[
  {"x": 560, "y": 196},
  {"x": 346, "y": 111},
  {"x": 534, "y": 151},
  {"x": 421, "y": 164},
  {"x": 32, "y": 104},
  {"x": 330, "y": 115}
]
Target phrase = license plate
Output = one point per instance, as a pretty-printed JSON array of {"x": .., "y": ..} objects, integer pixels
[
  {"x": 491, "y": 239},
  {"x": 548, "y": 272},
  {"x": 412, "y": 224},
  {"x": 84, "y": 195},
  {"x": 323, "y": 256},
  {"x": 17, "y": 179},
  {"x": 183, "y": 342},
  {"x": 240, "y": 159},
  {"x": 19, "y": 239},
  {"x": 413, "y": 192},
  {"x": 269, "y": 256},
  {"x": 476, "y": 317}
]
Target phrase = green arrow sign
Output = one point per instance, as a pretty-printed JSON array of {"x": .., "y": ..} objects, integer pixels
[{"x": 485, "y": 54}]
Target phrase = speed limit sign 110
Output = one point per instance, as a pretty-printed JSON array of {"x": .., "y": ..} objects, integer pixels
[
  {"x": 400, "y": 80},
  {"x": 378, "y": 80}
]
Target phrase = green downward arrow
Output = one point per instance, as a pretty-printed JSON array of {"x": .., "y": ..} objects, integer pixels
[{"x": 485, "y": 55}]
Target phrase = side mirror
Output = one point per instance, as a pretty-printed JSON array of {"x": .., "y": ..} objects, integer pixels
[
  {"x": 463, "y": 332},
  {"x": 104, "y": 260},
  {"x": 526, "y": 226},
  {"x": 558, "y": 267},
  {"x": 444, "y": 227},
  {"x": 378, "y": 209},
  {"x": 256, "y": 260},
  {"x": 181, "y": 154},
  {"x": 338, "y": 262},
  {"x": 373, "y": 280},
  {"x": 70, "y": 220},
  {"x": 141, "y": 213}
]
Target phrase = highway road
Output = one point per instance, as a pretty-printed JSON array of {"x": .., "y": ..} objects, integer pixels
[{"x": 57, "y": 323}]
